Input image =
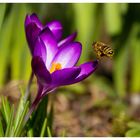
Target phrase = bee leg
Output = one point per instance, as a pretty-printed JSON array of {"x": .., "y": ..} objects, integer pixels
[{"x": 99, "y": 55}]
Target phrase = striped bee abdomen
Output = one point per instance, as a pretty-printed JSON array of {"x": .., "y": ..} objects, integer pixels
[{"x": 108, "y": 51}]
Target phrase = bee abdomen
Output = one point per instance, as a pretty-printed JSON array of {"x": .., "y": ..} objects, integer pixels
[{"x": 106, "y": 50}]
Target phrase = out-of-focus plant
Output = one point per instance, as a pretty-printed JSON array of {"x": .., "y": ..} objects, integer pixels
[
  {"x": 120, "y": 124},
  {"x": 2, "y": 11},
  {"x": 134, "y": 129}
]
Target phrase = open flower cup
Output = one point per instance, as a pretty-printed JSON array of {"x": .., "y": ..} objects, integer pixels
[{"x": 54, "y": 58}]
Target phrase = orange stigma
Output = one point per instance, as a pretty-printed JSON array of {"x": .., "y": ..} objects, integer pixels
[{"x": 55, "y": 66}]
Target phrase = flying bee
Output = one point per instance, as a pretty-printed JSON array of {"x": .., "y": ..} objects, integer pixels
[{"x": 102, "y": 49}]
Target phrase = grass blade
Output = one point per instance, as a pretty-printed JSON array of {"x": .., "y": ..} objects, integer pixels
[
  {"x": 135, "y": 53},
  {"x": 43, "y": 128},
  {"x": 6, "y": 35},
  {"x": 19, "y": 43},
  {"x": 1, "y": 128},
  {"x": 49, "y": 131},
  {"x": 30, "y": 133},
  {"x": 20, "y": 109},
  {"x": 85, "y": 26},
  {"x": 50, "y": 117},
  {"x": 135, "y": 74},
  {"x": 20, "y": 126},
  {"x": 10, "y": 123},
  {"x": 119, "y": 73},
  {"x": 113, "y": 12},
  {"x": 133, "y": 133},
  {"x": 5, "y": 109}
]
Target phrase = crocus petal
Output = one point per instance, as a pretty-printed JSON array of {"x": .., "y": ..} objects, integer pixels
[
  {"x": 32, "y": 27},
  {"x": 86, "y": 69},
  {"x": 40, "y": 49},
  {"x": 27, "y": 20},
  {"x": 56, "y": 28},
  {"x": 67, "y": 40},
  {"x": 50, "y": 43},
  {"x": 69, "y": 55},
  {"x": 61, "y": 77},
  {"x": 41, "y": 71},
  {"x": 33, "y": 19},
  {"x": 32, "y": 31}
]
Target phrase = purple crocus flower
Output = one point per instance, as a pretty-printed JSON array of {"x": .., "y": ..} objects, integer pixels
[{"x": 54, "y": 59}]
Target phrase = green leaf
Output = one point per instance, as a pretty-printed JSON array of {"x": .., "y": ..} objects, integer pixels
[
  {"x": 50, "y": 117},
  {"x": 20, "y": 109},
  {"x": 113, "y": 18},
  {"x": 9, "y": 129},
  {"x": 43, "y": 128},
  {"x": 1, "y": 128},
  {"x": 20, "y": 55},
  {"x": 135, "y": 74},
  {"x": 2, "y": 13},
  {"x": 30, "y": 132},
  {"x": 18, "y": 42},
  {"x": 135, "y": 57},
  {"x": 21, "y": 124},
  {"x": 6, "y": 35},
  {"x": 86, "y": 26},
  {"x": 130, "y": 47},
  {"x": 133, "y": 124},
  {"x": 49, "y": 131},
  {"x": 5, "y": 109},
  {"x": 120, "y": 71},
  {"x": 26, "y": 64},
  {"x": 133, "y": 133}
]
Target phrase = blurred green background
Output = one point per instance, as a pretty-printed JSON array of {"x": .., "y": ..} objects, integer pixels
[{"x": 115, "y": 24}]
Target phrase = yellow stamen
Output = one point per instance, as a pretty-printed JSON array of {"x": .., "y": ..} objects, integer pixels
[{"x": 55, "y": 66}]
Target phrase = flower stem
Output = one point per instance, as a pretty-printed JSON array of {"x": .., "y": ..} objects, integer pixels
[
  {"x": 32, "y": 108},
  {"x": 34, "y": 104},
  {"x": 28, "y": 86}
]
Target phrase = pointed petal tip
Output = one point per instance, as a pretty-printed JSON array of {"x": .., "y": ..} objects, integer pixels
[
  {"x": 95, "y": 63},
  {"x": 67, "y": 40},
  {"x": 56, "y": 27},
  {"x": 86, "y": 70},
  {"x": 33, "y": 15},
  {"x": 55, "y": 24},
  {"x": 27, "y": 20},
  {"x": 33, "y": 18}
]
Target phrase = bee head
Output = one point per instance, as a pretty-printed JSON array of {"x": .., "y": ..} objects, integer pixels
[{"x": 94, "y": 43}]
